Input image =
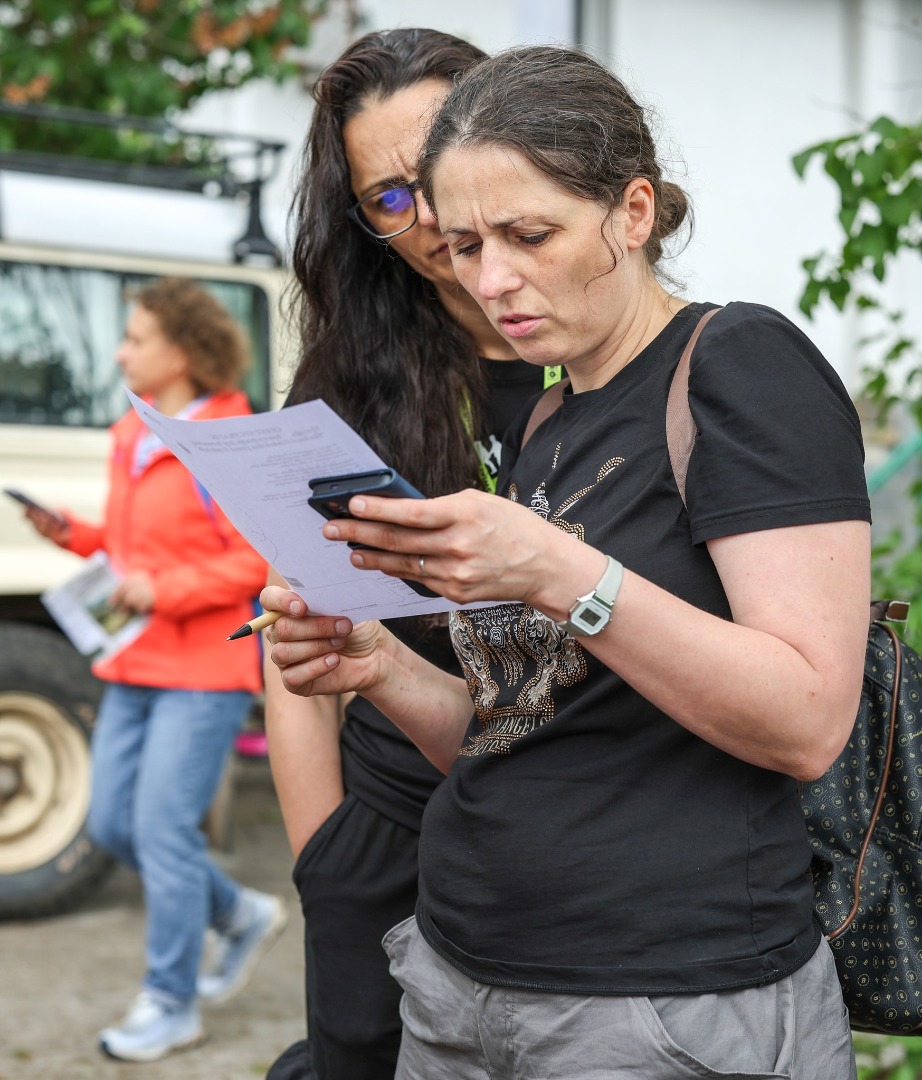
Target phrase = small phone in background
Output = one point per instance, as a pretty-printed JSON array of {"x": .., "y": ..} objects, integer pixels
[
  {"x": 330, "y": 496},
  {"x": 31, "y": 504}
]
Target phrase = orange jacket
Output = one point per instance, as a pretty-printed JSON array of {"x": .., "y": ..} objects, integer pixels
[{"x": 205, "y": 574}]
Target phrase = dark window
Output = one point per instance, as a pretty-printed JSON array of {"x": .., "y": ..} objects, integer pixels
[{"x": 60, "y": 327}]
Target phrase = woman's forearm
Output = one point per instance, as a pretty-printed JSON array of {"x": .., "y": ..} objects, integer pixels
[
  {"x": 779, "y": 685},
  {"x": 431, "y": 707},
  {"x": 304, "y": 756}
]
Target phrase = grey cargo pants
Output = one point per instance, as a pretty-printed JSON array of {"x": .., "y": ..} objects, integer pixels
[{"x": 458, "y": 1029}]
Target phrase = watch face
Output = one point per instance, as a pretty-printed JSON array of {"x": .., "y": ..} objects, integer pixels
[{"x": 591, "y": 617}]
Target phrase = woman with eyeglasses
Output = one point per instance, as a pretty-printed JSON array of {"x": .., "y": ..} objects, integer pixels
[
  {"x": 402, "y": 352},
  {"x": 614, "y": 873}
]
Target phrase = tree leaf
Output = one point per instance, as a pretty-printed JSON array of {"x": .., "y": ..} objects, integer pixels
[{"x": 136, "y": 57}]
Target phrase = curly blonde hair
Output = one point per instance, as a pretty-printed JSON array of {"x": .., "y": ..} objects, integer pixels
[{"x": 214, "y": 343}]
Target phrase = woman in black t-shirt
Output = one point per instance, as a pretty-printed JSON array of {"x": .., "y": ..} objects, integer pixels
[
  {"x": 613, "y": 876},
  {"x": 404, "y": 354}
]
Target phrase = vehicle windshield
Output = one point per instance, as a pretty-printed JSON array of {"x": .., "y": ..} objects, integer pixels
[{"x": 60, "y": 327}]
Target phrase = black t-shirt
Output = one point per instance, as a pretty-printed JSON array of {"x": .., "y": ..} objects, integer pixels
[
  {"x": 380, "y": 764},
  {"x": 584, "y": 841}
]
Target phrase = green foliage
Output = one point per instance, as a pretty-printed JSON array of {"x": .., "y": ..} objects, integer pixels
[
  {"x": 878, "y": 173},
  {"x": 897, "y": 574},
  {"x": 147, "y": 58},
  {"x": 888, "y": 1057}
]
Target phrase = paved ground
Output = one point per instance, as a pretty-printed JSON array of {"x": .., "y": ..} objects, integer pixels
[{"x": 63, "y": 979}]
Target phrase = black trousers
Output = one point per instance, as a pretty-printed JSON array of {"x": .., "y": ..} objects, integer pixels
[{"x": 356, "y": 877}]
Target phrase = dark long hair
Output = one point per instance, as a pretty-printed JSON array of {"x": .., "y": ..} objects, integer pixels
[
  {"x": 572, "y": 119},
  {"x": 376, "y": 342}
]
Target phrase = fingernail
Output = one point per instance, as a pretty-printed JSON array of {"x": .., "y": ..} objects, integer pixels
[
  {"x": 357, "y": 559},
  {"x": 341, "y": 627},
  {"x": 331, "y": 532},
  {"x": 331, "y": 661},
  {"x": 358, "y": 503},
  {"x": 295, "y": 607},
  {"x": 336, "y": 642}
]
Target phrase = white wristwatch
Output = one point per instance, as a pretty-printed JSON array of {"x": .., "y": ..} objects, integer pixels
[{"x": 592, "y": 612}]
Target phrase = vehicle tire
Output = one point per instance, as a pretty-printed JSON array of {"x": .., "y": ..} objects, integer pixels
[{"x": 48, "y": 703}]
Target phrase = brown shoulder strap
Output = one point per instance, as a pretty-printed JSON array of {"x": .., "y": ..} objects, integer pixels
[
  {"x": 545, "y": 406},
  {"x": 680, "y": 425},
  {"x": 680, "y": 439}
]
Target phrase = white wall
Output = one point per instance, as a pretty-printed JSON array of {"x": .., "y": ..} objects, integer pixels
[
  {"x": 490, "y": 24},
  {"x": 740, "y": 87}
]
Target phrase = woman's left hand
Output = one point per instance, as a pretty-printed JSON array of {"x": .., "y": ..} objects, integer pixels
[
  {"x": 470, "y": 546},
  {"x": 134, "y": 593}
]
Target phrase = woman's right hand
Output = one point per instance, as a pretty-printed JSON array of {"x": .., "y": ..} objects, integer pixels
[
  {"x": 321, "y": 654},
  {"x": 52, "y": 526}
]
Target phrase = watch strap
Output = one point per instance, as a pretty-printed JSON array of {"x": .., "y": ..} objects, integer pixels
[
  {"x": 600, "y": 602},
  {"x": 610, "y": 582}
]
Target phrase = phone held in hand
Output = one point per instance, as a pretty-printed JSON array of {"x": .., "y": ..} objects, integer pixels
[
  {"x": 330, "y": 496},
  {"x": 31, "y": 504}
]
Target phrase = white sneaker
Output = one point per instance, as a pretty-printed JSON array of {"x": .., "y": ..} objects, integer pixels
[
  {"x": 152, "y": 1029},
  {"x": 241, "y": 946}
]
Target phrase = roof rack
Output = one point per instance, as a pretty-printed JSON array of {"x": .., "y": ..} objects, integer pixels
[{"x": 237, "y": 166}]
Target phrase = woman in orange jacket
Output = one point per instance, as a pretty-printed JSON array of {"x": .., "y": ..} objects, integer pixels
[{"x": 175, "y": 698}]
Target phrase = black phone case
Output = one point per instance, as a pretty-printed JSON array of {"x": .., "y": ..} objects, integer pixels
[
  {"x": 330, "y": 497},
  {"x": 24, "y": 499}
]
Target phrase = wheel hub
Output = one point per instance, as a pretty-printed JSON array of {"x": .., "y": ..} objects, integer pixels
[
  {"x": 10, "y": 778},
  {"x": 44, "y": 781}
]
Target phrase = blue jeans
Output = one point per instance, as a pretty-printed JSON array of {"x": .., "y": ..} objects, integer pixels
[{"x": 158, "y": 756}]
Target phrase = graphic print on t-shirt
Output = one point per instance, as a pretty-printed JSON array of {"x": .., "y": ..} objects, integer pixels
[
  {"x": 522, "y": 646},
  {"x": 490, "y": 455},
  {"x": 531, "y": 651}
]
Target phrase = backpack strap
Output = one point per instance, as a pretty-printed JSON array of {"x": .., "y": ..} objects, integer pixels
[
  {"x": 889, "y": 610},
  {"x": 546, "y": 405},
  {"x": 680, "y": 425},
  {"x": 680, "y": 439}
]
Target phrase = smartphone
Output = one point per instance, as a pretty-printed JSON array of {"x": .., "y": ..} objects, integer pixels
[
  {"x": 21, "y": 497},
  {"x": 330, "y": 496}
]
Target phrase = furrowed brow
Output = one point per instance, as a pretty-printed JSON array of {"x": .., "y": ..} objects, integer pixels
[
  {"x": 498, "y": 225},
  {"x": 383, "y": 185}
]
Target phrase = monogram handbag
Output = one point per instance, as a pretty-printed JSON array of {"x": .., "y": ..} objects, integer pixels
[
  {"x": 864, "y": 821},
  {"x": 864, "y": 815}
]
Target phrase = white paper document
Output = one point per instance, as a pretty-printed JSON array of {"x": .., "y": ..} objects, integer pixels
[
  {"x": 257, "y": 469},
  {"x": 81, "y": 608}
]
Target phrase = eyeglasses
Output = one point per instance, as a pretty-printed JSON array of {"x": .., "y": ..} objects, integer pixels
[{"x": 387, "y": 213}]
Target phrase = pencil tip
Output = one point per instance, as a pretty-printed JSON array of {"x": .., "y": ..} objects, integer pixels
[{"x": 241, "y": 631}]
